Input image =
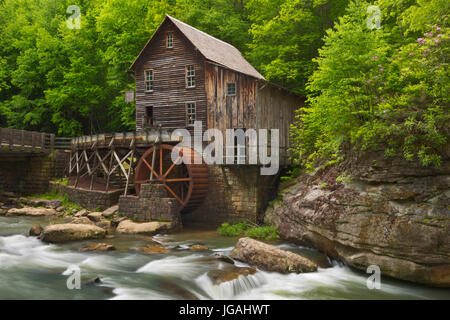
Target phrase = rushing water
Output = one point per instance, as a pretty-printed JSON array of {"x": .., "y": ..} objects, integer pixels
[{"x": 30, "y": 269}]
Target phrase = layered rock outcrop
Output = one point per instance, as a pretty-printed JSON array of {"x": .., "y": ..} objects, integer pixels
[{"x": 377, "y": 211}]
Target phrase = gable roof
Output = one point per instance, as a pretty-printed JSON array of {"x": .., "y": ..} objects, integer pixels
[{"x": 211, "y": 48}]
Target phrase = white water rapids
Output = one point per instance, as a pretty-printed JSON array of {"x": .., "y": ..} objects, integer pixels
[{"x": 30, "y": 269}]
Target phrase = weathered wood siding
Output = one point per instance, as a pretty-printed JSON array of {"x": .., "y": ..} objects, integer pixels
[
  {"x": 170, "y": 94},
  {"x": 275, "y": 108},
  {"x": 229, "y": 112},
  {"x": 256, "y": 105}
]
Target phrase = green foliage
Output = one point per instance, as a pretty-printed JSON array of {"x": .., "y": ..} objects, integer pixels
[
  {"x": 286, "y": 36},
  {"x": 244, "y": 229},
  {"x": 72, "y": 82},
  {"x": 291, "y": 174},
  {"x": 57, "y": 196},
  {"x": 384, "y": 88}
]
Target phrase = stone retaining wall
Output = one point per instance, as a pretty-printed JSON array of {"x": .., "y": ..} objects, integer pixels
[
  {"x": 91, "y": 200},
  {"x": 26, "y": 174},
  {"x": 236, "y": 194},
  {"x": 153, "y": 204}
]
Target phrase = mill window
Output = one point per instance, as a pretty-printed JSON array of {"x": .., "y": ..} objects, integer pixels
[
  {"x": 169, "y": 41},
  {"x": 149, "y": 81},
  {"x": 190, "y": 114},
  {"x": 190, "y": 76},
  {"x": 231, "y": 89}
]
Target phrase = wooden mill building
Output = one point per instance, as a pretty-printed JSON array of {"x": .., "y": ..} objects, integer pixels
[{"x": 184, "y": 75}]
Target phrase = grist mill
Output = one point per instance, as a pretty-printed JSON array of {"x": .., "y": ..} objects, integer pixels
[{"x": 186, "y": 79}]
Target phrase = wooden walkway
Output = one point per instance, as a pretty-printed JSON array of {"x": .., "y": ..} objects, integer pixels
[{"x": 21, "y": 142}]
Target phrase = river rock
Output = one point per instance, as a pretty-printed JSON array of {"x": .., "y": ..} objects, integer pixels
[
  {"x": 150, "y": 228},
  {"x": 229, "y": 274},
  {"x": 81, "y": 213},
  {"x": 95, "y": 216},
  {"x": 198, "y": 247},
  {"x": 110, "y": 211},
  {"x": 30, "y": 211},
  {"x": 271, "y": 258},
  {"x": 105, "y": 224},
  {"x": 154, "y": 249},
  {"x": 82, "y": 220},
  {"x": 97, "y": 247},
  {"x": 60, "y": 233},
  {"x": 60, "y": 209},
  {"x": 381, "y": 211},
  {"x": 52, "y": 204},
  {"x": 35, "y": 230},
  {"x": 223, "y": 258},
  {"x": 3, "y": 212}
]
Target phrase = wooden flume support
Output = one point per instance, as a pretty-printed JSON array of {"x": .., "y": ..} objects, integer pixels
[{"x": 130, "y": 158}]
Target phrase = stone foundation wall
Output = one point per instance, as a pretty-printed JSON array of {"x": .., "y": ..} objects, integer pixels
[
  {"x": 236, "y": 194},
  {"x": 62, "y": 158},
  {"x": 153, "y": 204},
  {"x": 26, "y": 174},
  {"x": 91, "y": 200}
]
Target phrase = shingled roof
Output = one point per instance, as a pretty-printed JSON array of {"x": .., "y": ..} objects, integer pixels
[{"x": 212, "y": 49}]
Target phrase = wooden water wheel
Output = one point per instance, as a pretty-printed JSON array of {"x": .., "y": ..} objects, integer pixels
[{"x": 188, "y": 183}]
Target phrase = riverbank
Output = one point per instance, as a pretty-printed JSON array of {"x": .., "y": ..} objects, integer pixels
[{"x": 372, "y": 211}]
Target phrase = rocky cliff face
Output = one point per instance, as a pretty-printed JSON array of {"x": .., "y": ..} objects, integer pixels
[{"x": 382, "y": 212}]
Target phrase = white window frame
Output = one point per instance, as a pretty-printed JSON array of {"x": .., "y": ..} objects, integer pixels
[
  {"x": 190, "y": 77},
  {"x": 190, "y": 113},
  {"x": 151, "y": 81},
  {"x": 235, "y": 89},
  {"x": 169, "y": 36}
]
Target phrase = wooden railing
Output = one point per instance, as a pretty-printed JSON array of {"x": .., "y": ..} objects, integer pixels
[{"x": 14, "y": 140}]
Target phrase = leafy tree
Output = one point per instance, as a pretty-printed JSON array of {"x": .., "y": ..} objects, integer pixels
[
  {"x": 286, "y": 36},
  {"x": 379, "y": 88}
]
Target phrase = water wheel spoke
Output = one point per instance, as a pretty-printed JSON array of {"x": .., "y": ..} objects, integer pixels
[
  {"x": 150, "y": 167},
  {"x": 172, "y": 166},
  {"x": 160, "y": 161},
  {"x": 179, "y": 180},
  {"x": 173, "y": 194}
]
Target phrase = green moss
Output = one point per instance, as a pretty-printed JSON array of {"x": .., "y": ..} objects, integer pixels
[
  {"x": 244, "y": 229},
  {"x": 56, "y": 196}
]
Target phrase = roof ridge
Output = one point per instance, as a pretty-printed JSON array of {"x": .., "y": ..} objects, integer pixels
[{"x": 203, "y": 32}]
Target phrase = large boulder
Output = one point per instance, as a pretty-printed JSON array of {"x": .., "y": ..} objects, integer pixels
[
  {"x": 60, "y": 233},
  {"x": 150, "y": 228},
  {"x": 30, "y": 211},
  {"x": 389, "y": 213},
  {"x": 271, "y": 258}
]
